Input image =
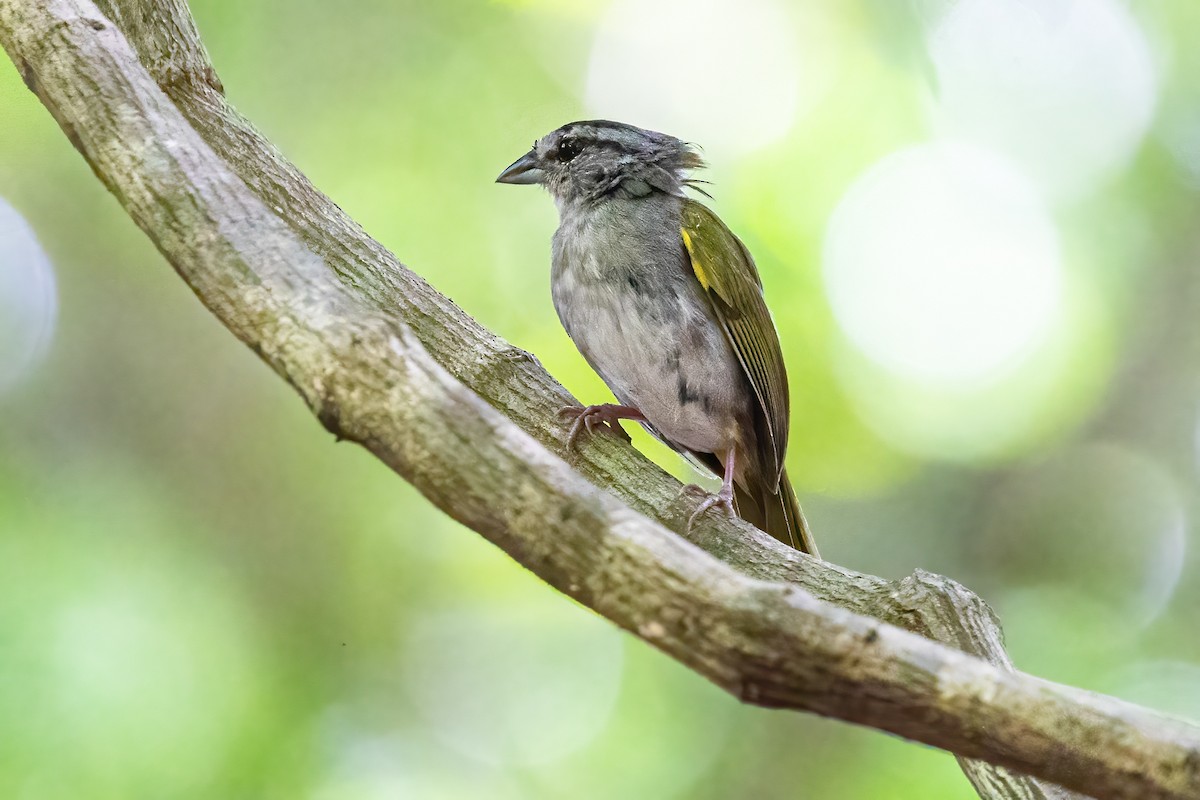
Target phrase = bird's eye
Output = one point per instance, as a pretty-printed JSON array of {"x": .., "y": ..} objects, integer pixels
[{"x": 568, "y": 149}]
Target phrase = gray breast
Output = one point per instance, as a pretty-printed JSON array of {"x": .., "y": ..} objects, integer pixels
[{"x": 627, "y": 297}]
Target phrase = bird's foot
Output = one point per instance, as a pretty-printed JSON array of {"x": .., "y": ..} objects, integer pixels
[
  {"x": 723, "y": 498},
  {"x": 591, "y": 418}
]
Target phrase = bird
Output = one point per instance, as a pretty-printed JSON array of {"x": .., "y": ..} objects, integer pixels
[{"x": 666, "y": 304}]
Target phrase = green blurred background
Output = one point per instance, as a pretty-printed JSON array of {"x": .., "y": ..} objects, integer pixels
[{"x": 975, "y": 221}]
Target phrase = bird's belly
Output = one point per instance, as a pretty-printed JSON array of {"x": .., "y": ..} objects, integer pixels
[{"x": 664, "y": 355}]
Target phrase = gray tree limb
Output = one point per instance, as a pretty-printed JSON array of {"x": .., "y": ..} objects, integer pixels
[{"x": 385, "y": 360}]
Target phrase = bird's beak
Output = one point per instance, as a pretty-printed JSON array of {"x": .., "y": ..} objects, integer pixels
[{"x": 524, "y": 170}]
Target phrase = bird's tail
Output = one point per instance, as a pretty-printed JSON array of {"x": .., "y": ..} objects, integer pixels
[{"x": 777, "y": 513}]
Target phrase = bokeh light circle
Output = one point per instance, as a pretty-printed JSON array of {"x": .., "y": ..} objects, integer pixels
[
  {"x": 502, "y": 686},
  {"x": 28, "y": 299},
  {"x": 1101, "y": 519},
  {"x": 1066, "y": 88},
  {"x": 942, "y": 264},
  {"x": 726, "y": 74}
]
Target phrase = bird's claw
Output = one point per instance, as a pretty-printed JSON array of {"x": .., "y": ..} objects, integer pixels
[
  {"x": 590, "y": 418},
  {"x": 722, "y": 498}
]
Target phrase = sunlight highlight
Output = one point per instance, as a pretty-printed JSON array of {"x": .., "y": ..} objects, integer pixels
[
  {"x": 942, "y": 265},
  {"x": 726, "y": 74},
  {"x": 1068, "y": 89}
]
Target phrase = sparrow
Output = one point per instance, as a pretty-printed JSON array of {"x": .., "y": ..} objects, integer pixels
[{"x": 666, "y": 305}]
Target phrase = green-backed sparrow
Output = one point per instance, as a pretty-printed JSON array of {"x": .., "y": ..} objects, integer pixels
[{"x": 665, "y": 303}]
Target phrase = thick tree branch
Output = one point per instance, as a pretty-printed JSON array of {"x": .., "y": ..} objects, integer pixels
[{"x": 385, "y": 360}]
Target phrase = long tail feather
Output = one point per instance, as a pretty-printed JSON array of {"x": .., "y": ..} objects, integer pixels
[{"x": 777, "y": 513}]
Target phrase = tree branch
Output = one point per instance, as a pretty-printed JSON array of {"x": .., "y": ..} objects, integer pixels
[{"x": 385, "y": 360}]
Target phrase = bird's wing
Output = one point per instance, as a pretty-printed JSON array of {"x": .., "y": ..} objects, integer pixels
[{"x": 726, "y": 272}]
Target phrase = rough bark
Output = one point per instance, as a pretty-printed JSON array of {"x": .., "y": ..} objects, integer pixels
[{"x": 385, "y": 360}]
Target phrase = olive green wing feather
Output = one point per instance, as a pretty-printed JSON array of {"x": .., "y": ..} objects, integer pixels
[{"x": 726, "y": 271}]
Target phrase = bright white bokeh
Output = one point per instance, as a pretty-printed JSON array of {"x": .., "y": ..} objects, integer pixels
[
  {"x": 731, "y": 75},
  {"x": 28, "y": 299},
  {"x": 1066, "y": 87},
  {"x": 942, "y": 265},
  {"x": 514, "y": 685}
]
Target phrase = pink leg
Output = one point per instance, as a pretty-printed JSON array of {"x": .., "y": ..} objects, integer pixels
[
  {"x": 593, "y": 417},
  {"x": 722, "y": 498}
]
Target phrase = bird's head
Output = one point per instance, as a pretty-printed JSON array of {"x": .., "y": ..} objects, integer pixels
[{"x": 587, "y": 161}]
